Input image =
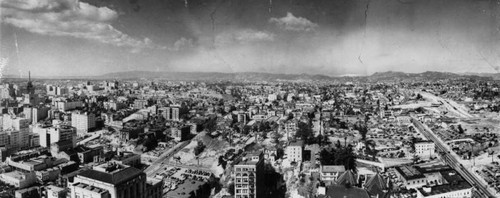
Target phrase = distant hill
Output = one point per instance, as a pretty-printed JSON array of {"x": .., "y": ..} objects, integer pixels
[
  {"x": 495, "y": 76},
  {"x": 428, "y": 75},
  {"x": 256, "y": 76},
  {"x": 248, "y": 76}
]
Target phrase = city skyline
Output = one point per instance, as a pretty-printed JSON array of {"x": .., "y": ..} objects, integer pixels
[{"x": 87, "y": 38}]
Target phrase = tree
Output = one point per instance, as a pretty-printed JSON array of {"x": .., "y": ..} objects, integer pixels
[
  {"x": 370, "y": 149},
  {"x": 363, "y": 130},
  {"x": 340, "y": 155},
  {"x": 245, "y": 129},
  {"x": 460, "y": 129},
  {"x": 419, "y": 96},
  {"x": 305, "y": 132},
  {"x": 230, "y": 188},
  {"x": 415, "y": 159},
  {"x": 210, "y": 125},
  {"x": 222, "y": 162},
  {"x": 199, "y": 148}
]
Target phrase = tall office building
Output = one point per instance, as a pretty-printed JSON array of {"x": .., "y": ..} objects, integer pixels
[
  {"x": 56, "y": 90},
  {"x": 248, "y": 176},
  {"x": 50, "y": 135},
  {"x": 17, "y": 131},
  {"x": 168, "y": 111},
  {"x": 35, "y": 114},
  {"x": 83, "y": 122},
  {"x": 39, "y": 113},
  {"x": 175, "y": 113},
  {"x": 140, "y": 104},
  {"x": 7, "y": 91},
  {"x": 67, "y": 105},
  {"x": 30, "y": 89},
  {"x": 30, "y": 97},
  {"x": 110, "y": 181}
]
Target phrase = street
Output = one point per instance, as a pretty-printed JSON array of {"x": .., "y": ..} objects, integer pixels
[{"x": 452, "y": 161}]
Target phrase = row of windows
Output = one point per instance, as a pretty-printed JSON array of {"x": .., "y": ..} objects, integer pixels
[{"x": 245, "y": 169}]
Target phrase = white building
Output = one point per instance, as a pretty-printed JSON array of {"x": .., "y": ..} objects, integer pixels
[
  {"x": 55, "y": 192},
  {"x": 83, "y": 122},
  {"x": 66, "y": 106},
  {"x": 294, "y": 151},
  {"x": 19, "y": 179},
  {"x": 460, "y": 189},
  {"x": 424, "y": 149},
  {"x": 50, "y": 135},
  {"x": 330, "y": 173},
  {"x": 16, "y": 131},
  {"x": 109, "y": 181}
]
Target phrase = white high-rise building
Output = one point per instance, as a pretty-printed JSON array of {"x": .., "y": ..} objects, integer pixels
[
  {"x": 83, "y": 122},
  {"x": 50, "y": 135},
  {"x": 175, "y": 113},
  {"x": 17, "y": 130}
]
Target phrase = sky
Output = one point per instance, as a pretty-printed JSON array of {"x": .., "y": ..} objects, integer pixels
[{"x": 329, "y": 37}]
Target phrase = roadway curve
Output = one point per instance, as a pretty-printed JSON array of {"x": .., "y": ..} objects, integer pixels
[{"x": 452, "y": 161}]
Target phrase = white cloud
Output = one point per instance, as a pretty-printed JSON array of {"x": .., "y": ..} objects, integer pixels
[
  {"x": 243, "y": 37},
  {"x": 182, "y": 43},
  {"x": 68, "y": 18},
  {"x": 293, "y": 23}
]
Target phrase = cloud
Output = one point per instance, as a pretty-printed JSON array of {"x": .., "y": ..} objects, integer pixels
[
  {"x": 69, "y": 18},
  {"x": 292, "y": 23},
  {"x": 243, "y": 37},
  {"x": 182, "y": 43}
]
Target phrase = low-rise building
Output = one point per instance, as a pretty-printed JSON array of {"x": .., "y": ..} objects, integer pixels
[
  {"x": 19, "y": 179},
  {"x": 294, "y": 151},
  {"x": 424, "y": 149},
  {"x": 330, "y": 173},
  {"x": 410, "y": 176}
]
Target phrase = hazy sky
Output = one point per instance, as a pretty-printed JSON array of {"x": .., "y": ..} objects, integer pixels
[{"x": 331, "y": 37}]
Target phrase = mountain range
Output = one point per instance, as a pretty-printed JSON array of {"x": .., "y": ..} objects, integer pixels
[{"x": 255, "y": 76}]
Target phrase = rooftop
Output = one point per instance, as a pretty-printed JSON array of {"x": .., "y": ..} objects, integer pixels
[
  {"x": 436, "y": 190},
  {"x": 54, "y": 188},
  {"x": 435, "y": 168},
  {"x": 409, "y": 172},
  {"x": 110, "y": 175},
  {"x": 184, "y": 190},
  {"x": 332, "y": 168},
  {"x": 90, "y": 188},
  {"x": 297, "y": 143},
  {"x": 452, "y": 176},
  {"x": 341, "y": 191},
  {"x": 17, "y": 175}
]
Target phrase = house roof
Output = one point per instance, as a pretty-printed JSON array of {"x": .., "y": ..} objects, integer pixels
[
  {"x": 376, "y": 186},
  {"x": 347, "y": 177},
  {"x": 112, "y": 177},
  {"x": 341, "y": 191},
  {"x": 332, "y": 168}
]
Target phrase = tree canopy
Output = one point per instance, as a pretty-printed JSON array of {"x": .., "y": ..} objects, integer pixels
[{"x": 339, "y": 155}]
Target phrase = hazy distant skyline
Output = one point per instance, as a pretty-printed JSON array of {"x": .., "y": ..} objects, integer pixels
[{"x": 329, "y": 37}]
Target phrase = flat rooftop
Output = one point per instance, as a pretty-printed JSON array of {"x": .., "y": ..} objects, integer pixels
[
  {"x": 184, "y": 190},
  {"x": 409, "y": 172},
  {"x": 435, "y": 168},
  {"x": 90, "y": 188},
  {"x": 441, "y": 189}
]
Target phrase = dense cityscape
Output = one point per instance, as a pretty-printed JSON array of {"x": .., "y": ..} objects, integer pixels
[
  {"x": 249, "y": 98},
  {"x": 374, "y": 136}
]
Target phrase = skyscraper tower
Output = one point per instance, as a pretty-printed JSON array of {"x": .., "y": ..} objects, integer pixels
[{"x": 29, "y": 87}]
